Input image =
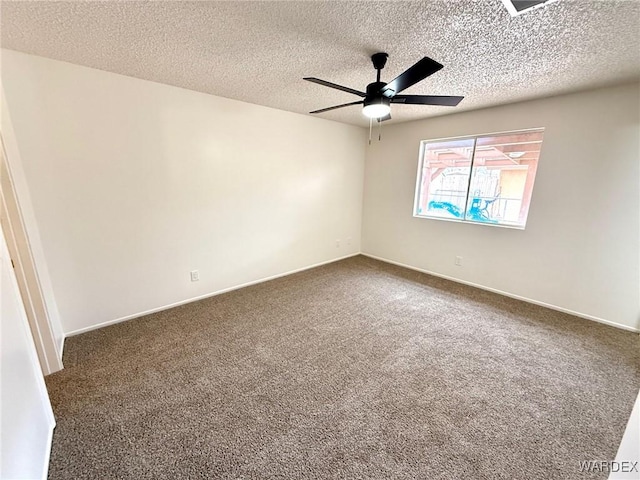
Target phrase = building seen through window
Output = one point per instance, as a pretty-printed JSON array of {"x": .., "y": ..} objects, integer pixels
[{"x": 486, "y": 179}]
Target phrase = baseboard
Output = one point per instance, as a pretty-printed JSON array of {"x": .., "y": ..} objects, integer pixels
[
  {"x": 201, "y": 297},
  {"x": 375, "y": 257},
  {"x": 507, "y": 294}
]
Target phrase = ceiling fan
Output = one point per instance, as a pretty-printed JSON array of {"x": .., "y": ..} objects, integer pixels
[{"x": 379, "y": 95}]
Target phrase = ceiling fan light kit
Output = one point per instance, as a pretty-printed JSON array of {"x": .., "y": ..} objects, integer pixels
[
  {"x": 376, "y": 108},
  {"x": 379, "y": 95}
]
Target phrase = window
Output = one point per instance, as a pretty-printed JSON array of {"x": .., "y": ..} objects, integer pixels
[{"x": 483, "y": 179}]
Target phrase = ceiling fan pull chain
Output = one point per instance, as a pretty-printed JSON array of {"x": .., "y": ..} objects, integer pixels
[
  {"x": 379, "y": 130},
  {"x": 370, "y": 127}
]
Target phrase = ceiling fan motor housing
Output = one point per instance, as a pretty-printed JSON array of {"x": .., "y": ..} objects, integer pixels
[{"x": 374, "y": 94}]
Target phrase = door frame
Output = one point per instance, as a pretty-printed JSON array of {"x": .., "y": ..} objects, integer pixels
[{"x": 25, "y": 269}]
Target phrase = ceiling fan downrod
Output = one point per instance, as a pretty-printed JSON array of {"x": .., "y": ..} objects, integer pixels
[{"x": 379, "y": 61}]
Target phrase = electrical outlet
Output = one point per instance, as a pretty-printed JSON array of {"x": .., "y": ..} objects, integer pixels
[
  {"x": 337, "y": 243},
  {"x": 458, "y": 261},
  {"x": 195, "y": 275}
]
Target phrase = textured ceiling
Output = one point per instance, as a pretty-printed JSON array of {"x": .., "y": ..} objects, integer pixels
[{"x": 258, "y": 52}]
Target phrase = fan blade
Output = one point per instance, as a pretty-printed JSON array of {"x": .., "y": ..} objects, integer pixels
[
  {"x": 335, "y": 85},
  {"x": 411, "y": 76},
  {"x": 442, "y": 100},
  {"x": 337, "y": 106},
  {"x": 384, "y": 119}
]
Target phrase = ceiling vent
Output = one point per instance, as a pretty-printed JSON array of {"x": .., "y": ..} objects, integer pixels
[{"x": 517, "y": 7}]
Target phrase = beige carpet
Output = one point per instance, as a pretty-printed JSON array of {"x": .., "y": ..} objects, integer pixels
[{"x": 354, "y": 370}]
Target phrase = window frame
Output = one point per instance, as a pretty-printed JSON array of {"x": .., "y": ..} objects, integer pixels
[{"x": 474, "y": 137}]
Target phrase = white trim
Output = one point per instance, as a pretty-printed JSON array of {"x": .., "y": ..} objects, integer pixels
[
  {"x": 17, "y": 223},
  {"x": 45, "y": 466},
  {"x": 61, "y": 349},
  {"x": 25, "y": 271},
  {"x": 201, "y": 297},
  {"x": 507, "y": 294}
]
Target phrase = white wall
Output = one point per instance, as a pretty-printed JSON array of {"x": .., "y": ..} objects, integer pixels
[
  {"x": 26, "y": 418},
  {"x": 134, "y": 184},
  {"x": 580, "y": 249}
]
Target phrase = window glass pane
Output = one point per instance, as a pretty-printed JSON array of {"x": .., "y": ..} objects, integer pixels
[
  {"x": 504, "y": 169},
  {"x": 444, "y": 178}
]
